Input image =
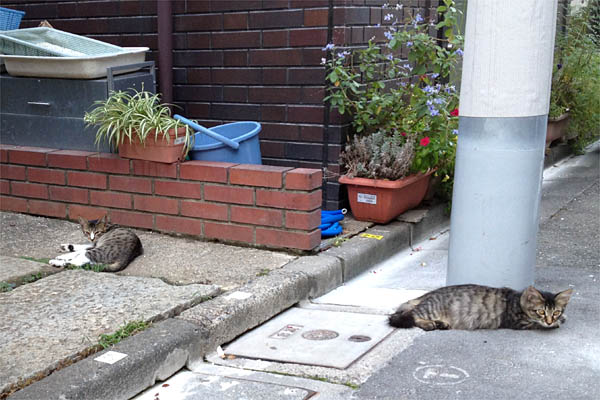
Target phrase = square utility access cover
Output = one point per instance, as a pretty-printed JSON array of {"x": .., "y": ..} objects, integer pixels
[{"x": 313, "y": 337}]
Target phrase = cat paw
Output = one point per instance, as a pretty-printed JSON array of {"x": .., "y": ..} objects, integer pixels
[
  {"x": 65, "y": 257},
  {"x": 66, "y": 247},
  {"x": 441, "y": 325},
  {"x": 57, "y": 263}
]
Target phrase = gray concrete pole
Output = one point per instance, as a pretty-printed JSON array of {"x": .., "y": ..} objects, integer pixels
[{"x": 504, "y": 102}]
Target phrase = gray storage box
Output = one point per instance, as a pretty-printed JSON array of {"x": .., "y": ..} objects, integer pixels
[{"x": 49, "y": 112}]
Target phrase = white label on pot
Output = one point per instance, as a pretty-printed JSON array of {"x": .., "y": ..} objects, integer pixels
[
  {"x": 179, "y": 140},
  {"x": 367, "y": 198}
]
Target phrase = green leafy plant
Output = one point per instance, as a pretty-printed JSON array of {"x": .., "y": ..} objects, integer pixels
[
  {"x": 128, "y": 114},
  {"x": 87, "y": 267},
  {"x": 33, "y": 277},
  {"x": 130, "y": 329},
  {"x": 405, "y": 101},
  {"x": 378, "y": 156},
  {"x": 576, "y": 73},
  {"x": 6, "y": 287}
]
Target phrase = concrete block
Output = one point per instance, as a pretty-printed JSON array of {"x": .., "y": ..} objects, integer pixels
[
  {"x": 324, "y": 273},
  {"x": 363, "y": 251},
  {"x": 154, "y": 354},
  {"x": 226, "y": 317}
]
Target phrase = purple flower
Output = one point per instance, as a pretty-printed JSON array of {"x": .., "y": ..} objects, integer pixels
[
  {"x": 433, "y": 111},
  {"x": 450, "y": 89},
  {"x": 343, "y": 54},
  {"x": 455, "y": 131},
  {"x": 408, "y": 44},
  {"x": 429, "y": 89},
  {"x": 408, "y": 67},
  {"x": 435, "y": 75},
  {"x": 328, "y": 47},
  {"x": 388, "y": 35},
  {"x": 418, "y": 19},
  {"x": 390, "y": 57},
  {"x": 459, "y": 52},
  {"x": 388, "y": 17},
  {"x": 438, "y": 100}
]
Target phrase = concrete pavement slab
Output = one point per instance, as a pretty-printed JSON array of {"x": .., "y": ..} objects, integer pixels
[
  {"x": 175, "y": 259},
  {"x": 382, "y": 299},
  {"x": 151, "y": 355},
  {"x": 272, "y": 385},
  {"x": 60, "y": 317},
  {"x": 18, "y": 270},
  {"x": 188, "y": 385}
]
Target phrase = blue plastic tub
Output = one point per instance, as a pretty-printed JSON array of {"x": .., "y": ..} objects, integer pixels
[
  {"x": 245, "y": 133},
  {"x": 10, "y": 19}
]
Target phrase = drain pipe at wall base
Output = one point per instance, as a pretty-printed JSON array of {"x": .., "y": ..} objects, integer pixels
[
  {"x": 504, "y": 102},
  {"x": 165, "y": 50}
]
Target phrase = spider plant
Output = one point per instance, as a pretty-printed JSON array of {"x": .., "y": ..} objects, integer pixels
[{"x": 125, "y": 115}]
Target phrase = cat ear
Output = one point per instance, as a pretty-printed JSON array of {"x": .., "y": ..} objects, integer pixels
[
  {"x": 82, "y": 221},
  {"x": 562, "y": 298},
  {"x": 531, "y": 295},
  {"x": 101, "y": 221}
]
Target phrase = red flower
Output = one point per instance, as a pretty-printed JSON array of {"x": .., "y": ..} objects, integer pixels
[
  {"x": 454, "y": 112},
  {"x": 403, "y": 134},
  {"x": 425, "y": 141}
]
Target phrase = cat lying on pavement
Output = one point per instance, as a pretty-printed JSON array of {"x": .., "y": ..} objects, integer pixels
[
  {"x": 482, "y": 307},
  {"x": 112, "y": 246}
]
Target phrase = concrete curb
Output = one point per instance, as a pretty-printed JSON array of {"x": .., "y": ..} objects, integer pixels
[
  {"x": 169, "y": 345},
  {"x": 556, "y": 154}
]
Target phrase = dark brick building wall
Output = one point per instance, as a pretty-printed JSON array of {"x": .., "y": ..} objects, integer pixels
[{"x": 254, "y": 60}]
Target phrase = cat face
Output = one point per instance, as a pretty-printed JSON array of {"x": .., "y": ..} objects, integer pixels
[
  {"x": 543, "y": 308},
  {"x": 93, "y": 229}
]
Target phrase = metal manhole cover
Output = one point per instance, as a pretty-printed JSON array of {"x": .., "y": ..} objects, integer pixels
[
  {"x": 312, "y": 337},
  {"x": 359, "y": 338},
  {"x": 320, "y": 334}
]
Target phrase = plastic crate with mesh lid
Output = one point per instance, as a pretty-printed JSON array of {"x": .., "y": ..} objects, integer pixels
[{"x": 49, "y": 42}]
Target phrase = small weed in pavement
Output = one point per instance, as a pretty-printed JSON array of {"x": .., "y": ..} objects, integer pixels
[
  {"x": 338, "y": 241},
  {"x": 131, "y": 328},
  {"x": 263, "y": 272},
  {"x": 40, "y": 260},
  {"x": 33, "y": 277},
  {"x": 88, "y": 267},
  {"x": 6, "y": 287}
]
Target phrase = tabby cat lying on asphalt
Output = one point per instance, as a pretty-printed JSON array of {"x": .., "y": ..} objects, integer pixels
[{"x": 481, "y": 307}]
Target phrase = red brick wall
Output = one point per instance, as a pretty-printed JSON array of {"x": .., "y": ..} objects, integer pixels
[
  {"x": 275, "y": 207},
  {"x": 244, "y": 60}
]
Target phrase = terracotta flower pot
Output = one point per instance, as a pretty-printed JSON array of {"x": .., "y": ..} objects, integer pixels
[
  {"x": 557, "y": 128},
  {"x": 381, "y": 201},
  {"x": 158, "y": 150}
]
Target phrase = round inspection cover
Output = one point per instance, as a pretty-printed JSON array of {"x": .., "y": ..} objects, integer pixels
[
  {"x": 359, "y": 338},
  {"x": 320, "y": 334}
]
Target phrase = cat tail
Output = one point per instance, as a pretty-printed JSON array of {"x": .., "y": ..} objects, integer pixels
[{"x": 403, "y": 317}]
